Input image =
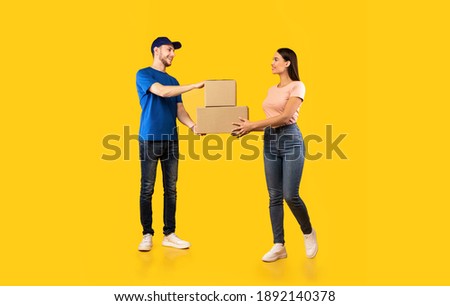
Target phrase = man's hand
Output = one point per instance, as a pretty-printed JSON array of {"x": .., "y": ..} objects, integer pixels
[
  {"x": 194, "y": 129},
  {"x": 199, "y": 85}
]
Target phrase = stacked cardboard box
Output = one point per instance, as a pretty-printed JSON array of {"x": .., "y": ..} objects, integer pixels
[{"x": 220, "y": 109}]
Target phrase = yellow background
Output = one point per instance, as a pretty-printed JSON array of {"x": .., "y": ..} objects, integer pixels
[{"x": 375, "y": 71}]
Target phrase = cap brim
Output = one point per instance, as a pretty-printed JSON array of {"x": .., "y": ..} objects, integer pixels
[{"x": 176, "y": 44}]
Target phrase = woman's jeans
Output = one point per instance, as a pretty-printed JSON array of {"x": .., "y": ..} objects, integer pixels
[
  {"x": 150, "y": 152},
  {"x": 284, "y": 155}
]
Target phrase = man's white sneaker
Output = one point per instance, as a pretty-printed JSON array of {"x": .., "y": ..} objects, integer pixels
[
  {"x": 278, "y": 251},
  {"x": 173, "y": 241},
  {"x": 311, "y": 244},
  {"x": 146, "y": 243}
]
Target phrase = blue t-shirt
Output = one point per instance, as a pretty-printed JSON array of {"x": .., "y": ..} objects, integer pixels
[{"x": 158, "y": 117}]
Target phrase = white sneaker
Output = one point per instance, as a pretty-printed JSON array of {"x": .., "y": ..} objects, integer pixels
[
  {"x": 278, "y": 251},
  {"x": 173, "y": 241},
  {"x": 146, "y": 243},
  {"x": 311, "y": 244}
]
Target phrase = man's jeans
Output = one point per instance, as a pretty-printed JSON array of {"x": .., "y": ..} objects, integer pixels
[
  {"x": 284, "y": 155},
  {"x": 150, "y": 152}
]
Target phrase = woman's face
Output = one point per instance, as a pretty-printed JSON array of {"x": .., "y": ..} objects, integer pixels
[{"x": 279, "y": 65}]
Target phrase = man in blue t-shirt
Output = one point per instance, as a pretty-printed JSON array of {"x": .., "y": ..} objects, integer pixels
[{"x": 161, "y": 104}]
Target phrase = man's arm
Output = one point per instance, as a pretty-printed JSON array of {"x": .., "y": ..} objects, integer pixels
[
  {"x": 184, "y": 117},
  {"x": 173, "y": 91}
]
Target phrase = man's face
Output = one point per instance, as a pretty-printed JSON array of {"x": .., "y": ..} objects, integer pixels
[{"x": 166, "y": 54}]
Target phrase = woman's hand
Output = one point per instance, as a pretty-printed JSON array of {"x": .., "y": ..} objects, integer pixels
[{"x": 243, "y": 128}]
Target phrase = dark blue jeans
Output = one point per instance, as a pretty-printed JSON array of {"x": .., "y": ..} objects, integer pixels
[
  {"x": 166, "y": 152},
  {"x": 284, "y": 155}
]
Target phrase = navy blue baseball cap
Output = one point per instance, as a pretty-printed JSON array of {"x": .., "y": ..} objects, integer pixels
[{"x": 165, "y": 41}]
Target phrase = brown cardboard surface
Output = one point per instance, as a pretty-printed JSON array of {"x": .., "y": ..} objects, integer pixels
[
  {"x": 214, "y": 120},
  {"x": 220, "y": 93}
]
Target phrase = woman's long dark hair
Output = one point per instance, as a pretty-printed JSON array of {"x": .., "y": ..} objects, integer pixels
[{"x": 290, "y": 55}]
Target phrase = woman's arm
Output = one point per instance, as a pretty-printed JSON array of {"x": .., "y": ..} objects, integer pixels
[{"x": 245, "y": 126}]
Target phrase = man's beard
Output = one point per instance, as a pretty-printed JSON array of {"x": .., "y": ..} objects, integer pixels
[{"x": 165, "y": 62}]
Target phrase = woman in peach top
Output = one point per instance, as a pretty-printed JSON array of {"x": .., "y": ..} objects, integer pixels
[{"x": 284, "y": 152}]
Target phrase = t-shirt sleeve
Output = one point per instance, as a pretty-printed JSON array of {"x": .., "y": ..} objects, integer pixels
[
  {"x": 143, "y": 83},
  {"x": 298, "y": 90}
]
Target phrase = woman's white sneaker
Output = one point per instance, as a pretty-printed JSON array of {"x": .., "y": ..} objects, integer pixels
[
  {"x": 146, "y": 243},
  {"x": 278, "y": 251},
  {"x": 311, "y": 244},
  {"x": 173, "y": 241}
]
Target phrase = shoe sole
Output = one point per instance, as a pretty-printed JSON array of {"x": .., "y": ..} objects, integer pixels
[
  {"x": 141, "y": 249},
  {"x": 283, "y": 256},
  {"x": 173, "y": 245}
]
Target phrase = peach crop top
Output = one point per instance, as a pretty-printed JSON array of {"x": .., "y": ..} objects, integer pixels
[{"x": 277, "y": 98}]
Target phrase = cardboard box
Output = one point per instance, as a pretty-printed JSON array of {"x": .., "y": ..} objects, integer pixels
[
  {"x": 214, "y": 120},
  {"x": 220, "y": 93}
]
